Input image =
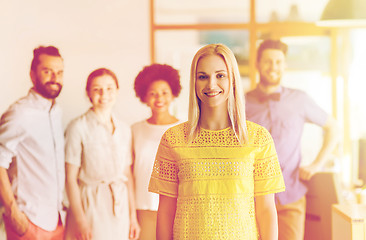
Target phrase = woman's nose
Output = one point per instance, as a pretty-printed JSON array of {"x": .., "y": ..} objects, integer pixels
[
  {"x": 158, "y": 96},
  {"x": 211, "y": 81}
]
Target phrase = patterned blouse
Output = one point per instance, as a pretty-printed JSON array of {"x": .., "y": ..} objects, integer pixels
[{"x": 215, "y": 180}]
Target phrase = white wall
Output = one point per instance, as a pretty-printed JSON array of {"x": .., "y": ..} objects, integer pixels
[{"x": 89, "y": 34}]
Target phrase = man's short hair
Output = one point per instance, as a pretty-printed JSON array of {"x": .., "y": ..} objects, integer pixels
[
  {"x": 50, "y": 50},
  {"x": 271, "y": 44}
]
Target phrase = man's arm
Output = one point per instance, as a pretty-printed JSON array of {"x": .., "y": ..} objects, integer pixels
[
  {"x": 166, "y": 215},
  {"x": 17, "y": 219},
  {"x": 266, "y": 215},
  {"x": 330, "y": 140}
]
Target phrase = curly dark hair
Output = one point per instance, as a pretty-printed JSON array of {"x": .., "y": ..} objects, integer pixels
[{"x": 154, "y": 72}]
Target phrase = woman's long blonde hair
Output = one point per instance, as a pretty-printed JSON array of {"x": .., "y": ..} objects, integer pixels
[{"x": 236, "y": 107}]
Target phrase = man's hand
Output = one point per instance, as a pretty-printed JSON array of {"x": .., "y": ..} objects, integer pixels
[
  {"x": 17, "y": 219},
  {"x": 19, "y": 222},
  {"x": 330, "y": 141},
  {"x": 306, "y": 172}
]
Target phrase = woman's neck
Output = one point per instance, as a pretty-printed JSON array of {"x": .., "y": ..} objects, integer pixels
[
  {"x": 104, "y": 116},
  {"x": 162, "y": 118},
  {"x": 214, "y": 119}
]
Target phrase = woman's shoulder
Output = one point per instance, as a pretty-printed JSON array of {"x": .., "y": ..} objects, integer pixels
[
  {"x": 144, "y": 127},
  {"x": 139, "y": 124},
  {"x": 78, "y": 121},
  {"x": 257, "y": 134},
  {"x": 177, "y": 133},
  {"x": 180, "y": 127},
  {"x": 121, "y": 126}
]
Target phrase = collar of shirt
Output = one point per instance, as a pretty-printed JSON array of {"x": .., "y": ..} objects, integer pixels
[
  {"x": 263, "y": 97},
  {"x": 39, "y": 101},
  {"x": 92, "y": 116}
]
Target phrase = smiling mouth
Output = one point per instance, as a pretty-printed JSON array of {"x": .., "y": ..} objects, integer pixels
[
  {"x": 273, "y": 74},
  {"x": 53, "y": 85},
  {"x": 104, "y": 101},
  {"x": 212, "y": 94}
]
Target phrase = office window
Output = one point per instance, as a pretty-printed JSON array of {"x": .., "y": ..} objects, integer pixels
[
  {"x": 203, "y": 11},
  {"x": 289, "y": 10}
]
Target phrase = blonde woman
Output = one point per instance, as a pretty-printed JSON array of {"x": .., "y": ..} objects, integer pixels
[
  {"x": 99, "y": 182},
  {"x": 217, "y": 173}
]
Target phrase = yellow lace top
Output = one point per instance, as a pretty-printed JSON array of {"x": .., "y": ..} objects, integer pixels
[{"x": 215, "y": 180}]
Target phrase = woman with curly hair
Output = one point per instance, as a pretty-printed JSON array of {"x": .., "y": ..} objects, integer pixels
[{"x": 156, "y": 86}]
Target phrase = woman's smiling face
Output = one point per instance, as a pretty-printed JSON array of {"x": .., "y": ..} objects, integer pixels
[
  {"x": 159, "y": 96},
  {"x": 212, "y": 81},
  {"x": 103, "y": 91}
]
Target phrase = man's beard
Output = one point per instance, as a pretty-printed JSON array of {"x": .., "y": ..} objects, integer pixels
[
  {"x": 268, "y": 83},
  {"x": 46, "y": 91}
]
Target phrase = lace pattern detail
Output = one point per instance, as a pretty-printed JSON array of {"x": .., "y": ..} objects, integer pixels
[
  {"x": 214, "y": 168},
  {"x": 221, "y": 216},
  {"x": 215, "y": 180}
]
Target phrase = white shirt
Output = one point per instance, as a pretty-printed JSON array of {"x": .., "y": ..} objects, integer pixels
[
  {"x": 103, "y": 159},
  {"x": 145, "y": 139},
  {"x": 32, "y": 149},
  {"x": 101, "y": 156}
]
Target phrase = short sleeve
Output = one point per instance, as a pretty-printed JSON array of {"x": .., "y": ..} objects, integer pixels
[
  {"x": 73, "y": 144},
  {"x": 267, "y": 171},
  {"x": 313, "y": 112},
  {"x": 164, "y": 177}
]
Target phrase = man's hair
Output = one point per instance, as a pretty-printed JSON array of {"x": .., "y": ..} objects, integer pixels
[
  {"x": 155, "y": 72},
  {"x": 271, "y": 44},
  {"x": 50, "y": 50}
]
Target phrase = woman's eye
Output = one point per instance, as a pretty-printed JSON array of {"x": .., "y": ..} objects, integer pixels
[
  {"x": 220, "y": 75},
  {"x": 201, "y": 77}
]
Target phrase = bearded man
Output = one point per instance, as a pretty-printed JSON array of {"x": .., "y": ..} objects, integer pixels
[
  {"x": 284, "y": 111},
  {"x": 32, "y": 171}
]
